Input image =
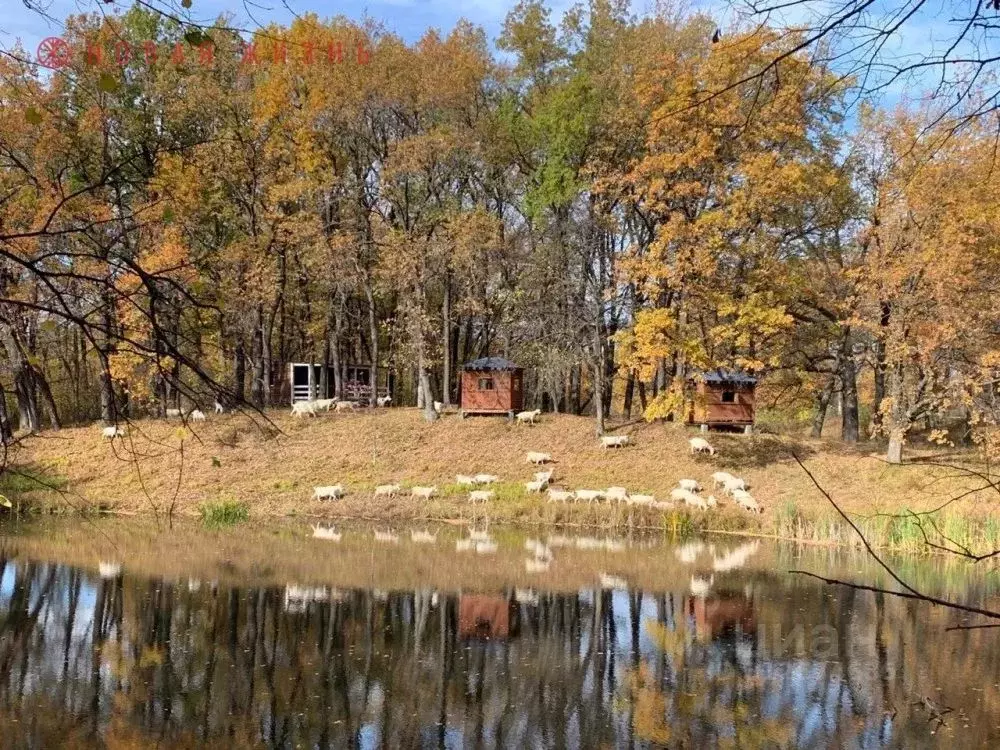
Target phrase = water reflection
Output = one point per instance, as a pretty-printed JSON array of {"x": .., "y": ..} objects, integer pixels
[{"x": 729, "y": 659}]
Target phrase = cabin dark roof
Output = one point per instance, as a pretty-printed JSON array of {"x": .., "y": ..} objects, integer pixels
[
  {"x": 734, "y": 377},
  {"x": 490, "y": 363}
]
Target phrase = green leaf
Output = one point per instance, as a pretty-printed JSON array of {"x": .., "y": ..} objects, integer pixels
[
  {"x": 107, "y": 83},
  {"x": 33, "y": 116}
]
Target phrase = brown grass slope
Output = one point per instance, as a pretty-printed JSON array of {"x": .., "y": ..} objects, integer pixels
[{"x": 273, "y": 468}]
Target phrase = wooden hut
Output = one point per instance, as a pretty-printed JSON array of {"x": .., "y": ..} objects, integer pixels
[
  {"x": 723, "y": 398},
  {"x": 492, "y": 385}
]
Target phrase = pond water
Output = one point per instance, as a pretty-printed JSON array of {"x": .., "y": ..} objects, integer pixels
[{"x": 121, "y": 636}]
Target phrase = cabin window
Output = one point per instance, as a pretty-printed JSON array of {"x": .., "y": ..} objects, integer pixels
[
  {"x": 486, "y": 384},
  {"x": 729, "y": 397}
]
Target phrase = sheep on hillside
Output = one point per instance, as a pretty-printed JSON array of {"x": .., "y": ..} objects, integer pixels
[
  {"x": 616, "y": 494},
  {"x": 424, "y": 492},
  {"x": 332, "y": 492},
  {"x": 304, "y": 408},
  {"x": 480, "y": 496},
  {"x": 733, "y": 484},
  {"x": 689, "y": 484},
  {"x": 543, "y": 476},
  {"x": 640, "y": 499},
  {"x": 527, "y": 417},
  {"x": 534, "y": 486},
  {"x": 219, "y": 408},
  {"x": 559, "y": 496},
  {"x": 537, "y": 458},
  {"x": 383, "y": 400},
  {"x": 589, "y": 495},
  {"x": 700, "y": 445},
  {"x": 197, "y": 416},
  {"x": 387, "y": 490},
  {"x": 720, "y": 478},
  {"x": 614, "y": 441},
  {"x": 344, "y": 406},
  {"x": 110, "y": 433},
  {"x": 464, "y": 480},
  {"x": 486, "y": 479}
]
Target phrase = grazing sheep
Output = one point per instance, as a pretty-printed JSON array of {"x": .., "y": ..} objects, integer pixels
[
  {"x": 387, "y": 490},
  {"x": 110, "y": 433},
  {"x": 663, "y": 505},
  {"x": 536, "y": 458},
  {"x": 559, "y": 496},
  {"x": 383, "y": 400},
  {"x": 543, "y": 476},
  {"x": 611, "y": 582},
  {"x": 747, "y": 501},
  {"x": 527, "y": 417},
  {"x": 333, "y": 492},
  {"x": 485, "y": 479},
  {"x": 700, "y": 445},
  {"x": 438, "y": 406},
  {"x": 616, "y": 494},
  {"x": 464, "y": 480},
  {"x": 424, "y": 492},
  {"x": 197, "y": 416},
  {"x": 588, "y": 495},
  {"x": 614, "y": 441},
  {"x": 720, "y": 478},
  {"x": 422, "y": 537},
  {"x": 536, "y": 566},
  {"x": 219, "y": 408},
  {"x": 480, "y": 496},
  {"x": 640, "y": 499},
  {"x": 344, "y": 406},
  {"x": 733, "y": 484},
  {"x": 689, "y": 484},
  {"x": 326, "y": 532},
  {"x": 386, "y": 537},
  {"x": 173, "y": 413},
  {"x": 688, "y": 498},
  {"x": 486, "y": 548},
  {"x": 712, "y": 502},
  {"x": 479, "y": 535},
  {"x": 463, "y": 545},
  {"x": 534, "y": 486},
  {"x": 304, "y": 408},
  {"x": 324, "y": 403},
  {"x": 700, "y": 586}
]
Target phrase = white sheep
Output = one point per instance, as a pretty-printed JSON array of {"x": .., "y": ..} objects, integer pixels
[
  {"x": 173, "y": 413},
  {"x": 614, "y": 441},
  {"x": 616, "y": 494},
  {"x": 559, "y": 496},
  {"x": 700, "y": 445},
  {"x": 720, "y": 478},
  {"x": 712, "y": 502},
  {"x": 332, "y": 492},
  {"x": 689, "y": 484},
  {"x": 326, "y": 532},
  {"x": 386, "y": 537},
  {"x": 219, "y": 408},
  {"x": 486, "y": 479},
  {"x": 536, "y": 458},
  {"x": 387, "y": 490},
  {"x": 422, "y": 537},
  {"x": 640, "y": 499},
  {"x": 324, "y": 403},
  {"x": 464, "y": 480},
  {"x": 438, "y": 407},
  {"x": 197, "y": 416},
  {"x": 383, "y": 400},
  {"x": 424, "y": 492},
  {"x": 747, "y": 501},
  {"x": 110, "y": 433},
  {"x": 543, "y": 476},
  {"x": 733, "y": 484},
  {"x": 344, "y": 406},
  {"x": 535, "y": 486},
  {"x": 527, "y": 417},
  {"x": 688, "y": 498},
  {"x": 480, "y": 496},
  {"x": 304, "y": 408},
  {"x": 663, "y": 505},
  {"x": 588, "y": 495}
]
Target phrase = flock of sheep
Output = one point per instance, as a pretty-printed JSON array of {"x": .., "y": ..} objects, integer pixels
[
  {"x": 315, "y": 406},
  {"x": 478, "y": 485}
]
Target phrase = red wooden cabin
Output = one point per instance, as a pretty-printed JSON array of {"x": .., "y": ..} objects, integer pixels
[
  {"x": 723, "y": 397},
  {"x": 492, "y": 385}
]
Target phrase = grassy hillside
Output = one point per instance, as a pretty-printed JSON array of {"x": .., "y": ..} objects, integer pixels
[{"x": 273, "y": 468}]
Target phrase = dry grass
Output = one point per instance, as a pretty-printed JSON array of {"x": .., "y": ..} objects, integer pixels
[{"x": 232, "y": 459}]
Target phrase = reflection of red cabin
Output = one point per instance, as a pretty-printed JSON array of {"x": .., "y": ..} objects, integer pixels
[
  {"x": 492, "y": 385},
  {"x": 483, "y": 617},
  {"x": 719, "y": 613},
  {"x": 723, "y": 397}
]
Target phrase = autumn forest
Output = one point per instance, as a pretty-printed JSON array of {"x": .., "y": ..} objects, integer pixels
[{"x": 616, "y": 202}]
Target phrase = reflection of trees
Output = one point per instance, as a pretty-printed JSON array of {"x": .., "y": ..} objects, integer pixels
[{"x": 142, "y": 662}]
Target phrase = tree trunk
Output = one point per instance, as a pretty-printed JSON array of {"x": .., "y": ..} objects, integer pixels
[
  {"x": 849, "y": 395},
  {"x": 822, "y": 404},
  {"x": 373, "y": 334},
  {"x": 446, "y": 342},
  {"x": 898, "y": 424},
  {"x": 629, "y": 391},
  {"x": 424, "y": 385},
  {"x": 239, "y": 371},
  {"x": 879, "y": 395},
  {"x": 6, "y": 432},
  {"x": 257, "y": 359}
]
